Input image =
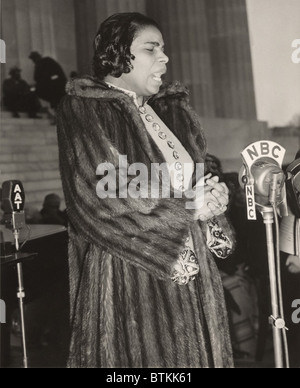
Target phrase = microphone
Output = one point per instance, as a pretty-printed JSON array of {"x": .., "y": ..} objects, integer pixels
[
  {"x": 262, "y": 176},
  {"x": 293, "y": 187},
  {"x": 264, "y": 182},
  {"x": 268, "y": 181},
  {"x": 13, "y": 201}
]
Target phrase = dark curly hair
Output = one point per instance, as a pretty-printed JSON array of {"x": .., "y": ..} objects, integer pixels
[{"x": 113, "y": 41}]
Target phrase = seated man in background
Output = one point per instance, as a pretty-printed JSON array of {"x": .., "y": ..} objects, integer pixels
[
  {"x": 17, "y": 96},
  {"x": 50, "y": 214}
]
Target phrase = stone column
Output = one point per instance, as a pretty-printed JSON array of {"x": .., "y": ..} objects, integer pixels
[
  {"x": 231, "y": 59},
  {"x": 184, "y": 28},
  {"x": 85, "y": 26}
]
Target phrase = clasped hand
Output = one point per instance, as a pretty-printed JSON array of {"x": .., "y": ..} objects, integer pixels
[{"x": 216, "y": 198}]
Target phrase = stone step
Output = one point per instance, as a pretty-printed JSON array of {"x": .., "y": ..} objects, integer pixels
[
  {"x": 15, "y": 148},
  {"x": 43, "y": 185},
  {"x": 27, "y": 128},
  {"x": 39, "y": 175},
  {"x": 18, "y": 134},
  {"x": 15, "y": 141},
  {"x": 49, "y": 153},
  {"x": 8, "y": 115},
  {"x": 29, "y": 153},
  {"x": 7, "y": 123},
  {"x": 11, "y": 168}
]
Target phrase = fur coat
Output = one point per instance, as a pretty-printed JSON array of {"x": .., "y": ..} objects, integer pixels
[{"x": 125, "y": 309}]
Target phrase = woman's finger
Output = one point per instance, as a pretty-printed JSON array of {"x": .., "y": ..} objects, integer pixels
[
  {"x": 222, "y": 198},
  {"x": 216, "y": 185},
  {"x": 202, "y": 180},
  {"x": 226, "y": 190}
]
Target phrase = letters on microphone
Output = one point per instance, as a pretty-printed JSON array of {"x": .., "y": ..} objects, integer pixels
[
  {"x": 263, "y": 149},
  {"x": 17, "y": 198},
  {"x": 13, "y": 199},
  {"x": 250, "y": 199}
]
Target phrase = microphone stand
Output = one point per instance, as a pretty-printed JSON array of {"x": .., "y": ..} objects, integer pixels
[
  {"x": 21, "y": 296},
  {"x": 278, "y": 323}
]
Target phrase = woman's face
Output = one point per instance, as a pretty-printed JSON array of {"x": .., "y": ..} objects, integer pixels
[{"x": 149, "y": 63}]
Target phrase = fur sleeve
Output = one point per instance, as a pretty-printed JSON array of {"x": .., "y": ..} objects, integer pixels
[{"x": 148, "y": 233}]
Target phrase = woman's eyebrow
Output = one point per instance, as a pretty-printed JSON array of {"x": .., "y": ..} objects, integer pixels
[{"x": 157, "y": 44}]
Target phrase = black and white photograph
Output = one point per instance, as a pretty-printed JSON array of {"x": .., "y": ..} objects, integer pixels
[{"x": 150, "y": 186}]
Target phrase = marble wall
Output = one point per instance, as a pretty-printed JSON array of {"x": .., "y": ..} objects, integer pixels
[{"x": 38, "y": 25}]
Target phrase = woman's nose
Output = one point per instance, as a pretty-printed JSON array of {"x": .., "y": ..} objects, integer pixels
[{"x": 163, "y": 58}]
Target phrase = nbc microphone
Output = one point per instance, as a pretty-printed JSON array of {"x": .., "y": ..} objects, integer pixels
[{"x": 262, "y": 177}]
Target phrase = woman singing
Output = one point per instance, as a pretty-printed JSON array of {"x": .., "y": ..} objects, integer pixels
[{"x": 144, "y": 287}]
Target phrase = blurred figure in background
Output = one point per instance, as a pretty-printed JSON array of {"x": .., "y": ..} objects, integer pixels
[
  {"x": 50, "y": 79},
  {"x": 18, "y": 97},
  {"x": 50, "y": 214}
]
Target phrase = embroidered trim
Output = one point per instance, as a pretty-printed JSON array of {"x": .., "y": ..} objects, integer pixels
[
  {"x": 187, "y": 267},
  {"x": 217, "y": 241}
]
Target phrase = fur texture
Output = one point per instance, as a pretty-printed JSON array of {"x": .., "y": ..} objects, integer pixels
[{"x": 125, "y": 310}]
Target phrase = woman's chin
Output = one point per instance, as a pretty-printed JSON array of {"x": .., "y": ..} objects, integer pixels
[{"x": 153, "y": 90}]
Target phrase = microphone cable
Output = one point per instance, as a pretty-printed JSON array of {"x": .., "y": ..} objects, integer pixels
[{"x": 27, "y": 237}]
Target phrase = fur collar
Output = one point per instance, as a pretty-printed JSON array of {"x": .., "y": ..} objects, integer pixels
[{"x": 91, "y": 87}]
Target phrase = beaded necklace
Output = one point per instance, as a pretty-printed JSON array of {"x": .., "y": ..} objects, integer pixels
[{"x": 179, "y": 166}]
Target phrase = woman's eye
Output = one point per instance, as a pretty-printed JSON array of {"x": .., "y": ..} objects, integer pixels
[{"x": 151, "y": 50}]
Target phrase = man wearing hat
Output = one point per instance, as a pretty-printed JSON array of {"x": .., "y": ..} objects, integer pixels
[
  {"x": 49, "y": 77},
  {"x": 17, "y": 96}
]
